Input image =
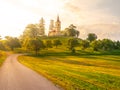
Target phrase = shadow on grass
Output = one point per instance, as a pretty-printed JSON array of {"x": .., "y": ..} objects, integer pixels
[{"x": 81, "y": 54}]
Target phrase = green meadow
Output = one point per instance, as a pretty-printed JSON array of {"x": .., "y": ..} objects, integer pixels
[{"x": 77, "y": 72}]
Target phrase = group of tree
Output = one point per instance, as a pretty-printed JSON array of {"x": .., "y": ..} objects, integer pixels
[
  {"x": 34, "y": 30},
  {"x": 105, "y": 45},
  {"x": 36, "y": 44},
  {"x": 92, "y": 44},
  {"x": 99, "y": 45},
  {"x": 31, "y": 40},
  {"x": 31, "y": 37},
  {"x": 71, "y": 31},
  {"x": 9, "y": 43},
  {"x": 51, "y": 43}
]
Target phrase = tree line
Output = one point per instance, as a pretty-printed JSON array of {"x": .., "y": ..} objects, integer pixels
[
  {"x": 31, "y": 40},
  {"x": 37, "y": 44}
]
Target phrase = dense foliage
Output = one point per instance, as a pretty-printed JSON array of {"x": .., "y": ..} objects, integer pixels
[{"x": 71, "y": 31}]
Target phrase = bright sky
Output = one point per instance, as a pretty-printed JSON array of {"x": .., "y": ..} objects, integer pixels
[{"x": 16, "y": 14}]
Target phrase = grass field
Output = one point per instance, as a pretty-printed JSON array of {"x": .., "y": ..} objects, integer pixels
[{"x": 85, "y": 72}]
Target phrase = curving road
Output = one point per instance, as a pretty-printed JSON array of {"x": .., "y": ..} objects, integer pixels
[{"x": 15, "y": 76}]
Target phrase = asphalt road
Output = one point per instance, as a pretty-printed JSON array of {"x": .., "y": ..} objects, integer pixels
[{"x": 15, "y": 76}]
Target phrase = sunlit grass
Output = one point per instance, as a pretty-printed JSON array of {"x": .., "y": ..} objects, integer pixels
[
  {"x": 78, "y": 72},
  {"x": 2, "y": 57}
]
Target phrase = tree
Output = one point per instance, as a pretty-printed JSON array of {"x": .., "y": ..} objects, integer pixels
[
  {"x": 92, "y": 37},
  {"x": 41, "y": 27},
  {"x": 31, "y": 31},
  {"x": 71, "y": 31},
  {"x": 85, "y": 44},
  {"x": 48, "y": 44},
  {"x": 57, "y": 42},
  {"x": 117, "y": 45},
  {"x": 97, "y": 45},
  {"x": 2, "y": 46},
  {"x": 77, "y": 33},
  {"x": 35, "y": 45},
  {"x": 107, "y": 44},
  {"x": 12, "y": 42},
  {"x": 72, "y": 43}
]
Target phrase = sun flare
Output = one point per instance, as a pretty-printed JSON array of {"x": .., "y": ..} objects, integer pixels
[
  {"x": 16, "y": 14},
  {"x": 51, "y": 6}
]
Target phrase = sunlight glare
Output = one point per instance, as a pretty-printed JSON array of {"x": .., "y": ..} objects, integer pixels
[{"x": 51, "y": 6}]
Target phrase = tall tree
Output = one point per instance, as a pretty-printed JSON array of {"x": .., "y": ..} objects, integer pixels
[
  {"x": 35, "y": 45},
  {"x": 12, "y": 42},
  {"x": 92, "y": 37},
  {"x": 72, "y": 43},
  {"x": 41, "y": 27},
  {"x": 31, "y": 31},
  {"x": 71, "y": 31}
]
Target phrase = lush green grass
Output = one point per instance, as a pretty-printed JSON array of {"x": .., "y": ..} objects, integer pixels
[{"x": 87, "y": 72}]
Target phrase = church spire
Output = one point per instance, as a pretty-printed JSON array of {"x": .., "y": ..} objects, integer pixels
[
  {"x": 58, "y": 24},
  {"x": 58, "y": 18}
]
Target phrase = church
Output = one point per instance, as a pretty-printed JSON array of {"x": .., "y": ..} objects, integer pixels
[{"x": 55, "y": 27}]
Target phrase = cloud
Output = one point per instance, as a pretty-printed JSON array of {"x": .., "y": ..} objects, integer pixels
[
  {"x": 70, "y": 7},
  {"x": 110, "y": 31},
  {"x": 93, "y": 11},
  {"x": 111, "y": 6}
]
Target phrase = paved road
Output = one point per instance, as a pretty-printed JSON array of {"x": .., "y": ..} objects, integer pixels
[{"x": 15, "y": 76}]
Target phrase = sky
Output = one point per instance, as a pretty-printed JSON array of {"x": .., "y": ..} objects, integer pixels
[{"x": 15, "y": 15}]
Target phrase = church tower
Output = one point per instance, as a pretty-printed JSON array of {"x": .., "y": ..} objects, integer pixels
[
  {"x": 51, "y": 26},
  {"x": 55, "y": 28},
  {"x": 58, "y": 25}
]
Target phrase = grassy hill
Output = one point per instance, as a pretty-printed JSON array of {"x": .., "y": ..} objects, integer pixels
[
  {"x": 84, "y": 70},
  {"x": 78, "y": 72},
  {"x": 64, "y": 50}
]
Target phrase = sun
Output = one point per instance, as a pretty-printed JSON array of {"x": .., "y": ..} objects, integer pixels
[
  {"x": 23, "y": 12},
  {"x": 49, "y": 6}
]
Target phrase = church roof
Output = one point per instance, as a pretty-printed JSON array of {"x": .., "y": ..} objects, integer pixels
[{"x": 58, "y": 20}]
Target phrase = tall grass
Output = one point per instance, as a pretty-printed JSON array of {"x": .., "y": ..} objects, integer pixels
[
  {"x": 90, "y": 72},
  {"x": 2, "y": 57}
]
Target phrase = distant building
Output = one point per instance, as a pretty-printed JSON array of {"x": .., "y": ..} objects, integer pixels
[{"x": 55, "y": 28}]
